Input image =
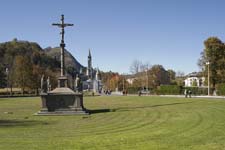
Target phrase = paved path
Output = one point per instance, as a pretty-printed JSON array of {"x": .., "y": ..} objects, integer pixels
[{"x": 193, "y": 96}]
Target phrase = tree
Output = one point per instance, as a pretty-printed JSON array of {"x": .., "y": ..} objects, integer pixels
[
  {"x": 109, "y": 79},
  {"x": 2, "y": 77},
  {"x": 140, "y": 71},
  {"x": 180, "y": 74},
  {"x": 35, "y": 78},
  {"x": 172, "y": 74},
  {"x": 15, "y": 54},
  {"x": 23, "y": 72},
  {"x": 158, "y": 75},
  {"x": 214, "y": 53},
  {"x": 135, "y": 66}
]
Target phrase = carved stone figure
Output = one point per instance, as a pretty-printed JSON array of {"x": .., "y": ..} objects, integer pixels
[
  {"x": 78, "y": 84},
  {"x": 48, "y": 84}
]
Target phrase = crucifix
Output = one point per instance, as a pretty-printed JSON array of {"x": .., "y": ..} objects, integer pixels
[
  {"x": 62, "y": 25},
  {"x": 62, "y": 100}
]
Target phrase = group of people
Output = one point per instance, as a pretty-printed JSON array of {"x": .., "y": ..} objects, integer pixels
[
  {"x": 124, "y": 92},
  {"x": 187, "y": 93},
  {"x": 107, "y": 92}
]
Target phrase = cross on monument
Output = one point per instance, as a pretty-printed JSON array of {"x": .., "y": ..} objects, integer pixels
[
  {"x": 62, "y": 100},
  {"x": 62, "y": 25}
]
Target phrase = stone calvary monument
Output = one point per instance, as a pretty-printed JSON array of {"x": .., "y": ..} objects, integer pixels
[{"x": 62, "y": 100}]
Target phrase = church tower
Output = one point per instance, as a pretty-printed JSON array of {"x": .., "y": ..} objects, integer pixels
[{"x": 89, "y": 69}]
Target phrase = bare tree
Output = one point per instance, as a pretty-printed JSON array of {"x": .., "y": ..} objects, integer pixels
[
  {"x": 135, "y": 66},
  {"x": 180, "y": 74}
]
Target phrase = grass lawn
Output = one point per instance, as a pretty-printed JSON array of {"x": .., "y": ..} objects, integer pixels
[{"x": 116, "y": 123}]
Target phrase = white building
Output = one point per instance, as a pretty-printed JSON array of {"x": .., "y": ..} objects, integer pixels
[
  {"x": 130, "y": 80},
  {"x": 194, "y": 79},
  {"x": 93, "y": 81}
]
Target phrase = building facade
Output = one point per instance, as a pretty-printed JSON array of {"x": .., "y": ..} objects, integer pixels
[
  {"x": 194, "y": 79},
  {"x": 91, "y": 80}
]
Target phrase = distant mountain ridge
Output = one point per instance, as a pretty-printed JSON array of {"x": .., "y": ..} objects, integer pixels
[
  {"x": 70, "y": 61},
  {"x": 37, "y": 54}
]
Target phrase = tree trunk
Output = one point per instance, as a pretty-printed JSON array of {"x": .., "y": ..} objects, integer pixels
[
  {"x": 36, "y": 92},
  {"x": 11, "y": 90}
]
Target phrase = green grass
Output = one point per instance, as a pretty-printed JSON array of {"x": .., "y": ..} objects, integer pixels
[{"x": 116, "y": 123}]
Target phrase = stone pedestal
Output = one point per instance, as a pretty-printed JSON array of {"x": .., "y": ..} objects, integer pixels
[
  {"x": 62, "y": 81},
  {"x": 62, "y": 101}
]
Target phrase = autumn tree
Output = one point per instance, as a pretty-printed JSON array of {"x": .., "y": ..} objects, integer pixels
[
  {"x": 158, "y": 75},
  {"x": 23, "y": 72},
  {"x": 140, "y": 71},
  {"x": 35, "y": 78},
  {"x": 2, "y": 77},
  {"x": 214, "y": 53}
]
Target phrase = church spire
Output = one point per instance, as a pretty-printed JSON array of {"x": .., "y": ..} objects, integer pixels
[
  {"x": 89, "y": 69},
  {"x": 89, "y": 55}
]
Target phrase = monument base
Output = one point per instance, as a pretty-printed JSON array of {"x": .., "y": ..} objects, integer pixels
[{"x": 62, "y": 101}]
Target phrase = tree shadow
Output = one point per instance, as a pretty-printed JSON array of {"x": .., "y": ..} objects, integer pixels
[
  {"x": 96, "y": 111},
  {"x": 168, "y": 104},
  {"x": 21, "y": 123},
  {"x": 132, "y": 108}
]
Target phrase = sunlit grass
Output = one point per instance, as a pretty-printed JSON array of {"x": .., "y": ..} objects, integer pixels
[{"x": 116, "y": 123}]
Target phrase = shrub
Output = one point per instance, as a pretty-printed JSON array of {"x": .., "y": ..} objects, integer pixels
[
  {"x": 133, "y": 90},
  {"x": 197, "y": 90},
  {"x": 220, "y": 89},
  {"x": 169, "y": 90}
]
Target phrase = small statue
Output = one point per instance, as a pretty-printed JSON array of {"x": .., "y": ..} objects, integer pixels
[
  {"x": 42, "y": 83},
  {"x": 81, "y": 70},
  {"x": 45, "y": 84},
  {"x": 78, "y": 84},
  {"x": 48, "y": 85}
]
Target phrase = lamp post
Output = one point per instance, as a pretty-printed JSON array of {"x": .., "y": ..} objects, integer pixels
[
  {"x": 207, "y": 63},
  {"x": 146, "y": 78},
  {"x": 7, "y": 73},
  {"x": 123, "y": 83}
]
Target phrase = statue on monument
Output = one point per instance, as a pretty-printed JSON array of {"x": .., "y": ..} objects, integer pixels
[
  {"x": 61, "y": 100},
  {"x": 44, "y": 87},
  {"x": 48, "y": 85},
  {"x": 78, "y": 84}
]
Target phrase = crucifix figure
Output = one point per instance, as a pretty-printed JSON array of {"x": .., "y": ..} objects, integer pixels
[{"x": 62, "y": 25}]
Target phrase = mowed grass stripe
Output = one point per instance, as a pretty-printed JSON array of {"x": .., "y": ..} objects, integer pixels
[{"x": 124, "y": 123}]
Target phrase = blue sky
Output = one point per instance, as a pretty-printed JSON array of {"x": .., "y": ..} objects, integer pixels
[{"x": 170, "y": 33}]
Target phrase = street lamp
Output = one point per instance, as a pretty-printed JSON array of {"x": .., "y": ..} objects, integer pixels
[
  {"x": 207, "y": 63},
  {"x": 7, "y": 73},
  {"x": 123, "y": 83},
  {"x": 146, "y": 78}
]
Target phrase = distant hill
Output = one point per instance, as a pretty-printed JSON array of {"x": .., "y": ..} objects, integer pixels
[
  {"x": 26, "y": 62},
  {"x": 70, "y": 61},
  {"x": 48, "y": 57}
]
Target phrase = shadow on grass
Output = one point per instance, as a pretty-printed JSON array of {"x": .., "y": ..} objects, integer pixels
[
  {"x": 168, "y": 104},
  {"x": 96, "y": 111},
  {"x": 22, "y": 123},
  {"x": 132, "y": 108}
]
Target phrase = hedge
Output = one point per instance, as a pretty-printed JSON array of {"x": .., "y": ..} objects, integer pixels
[
  {"x": 133, "y": 90},
  {"x": 178, "y": 90},
  {"x": 169, "y": 90},
  {"x": 198, "y": 90},
  {"x": 220, "y": 89}
]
